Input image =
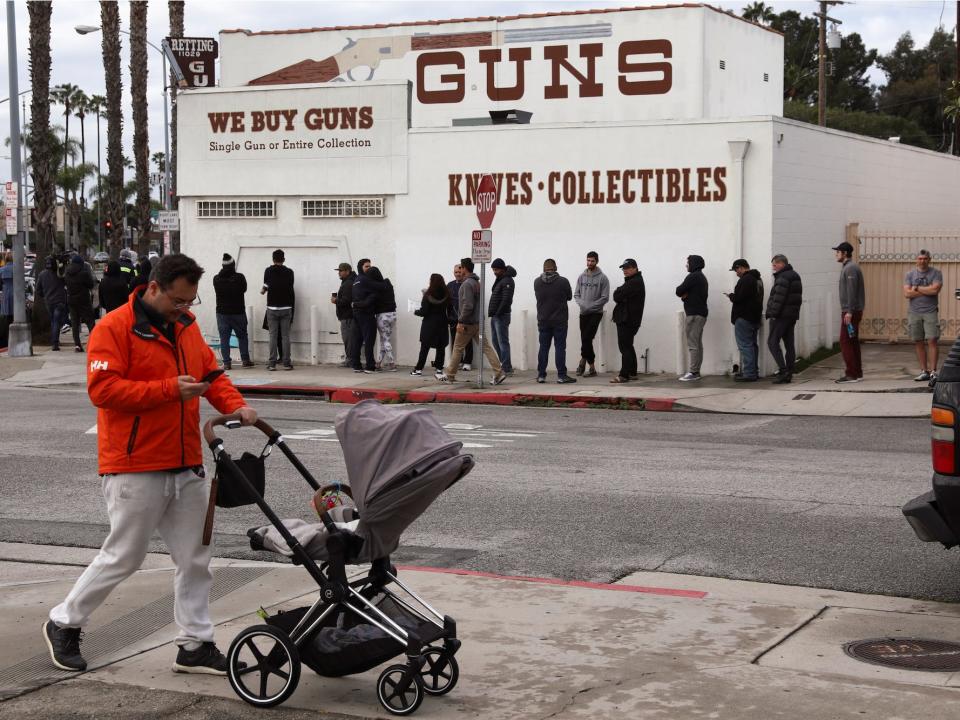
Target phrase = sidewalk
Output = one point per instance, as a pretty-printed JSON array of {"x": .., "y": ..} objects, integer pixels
[
  {"x": 887, "y": 391},
  {"x": 651, "y": 645}
]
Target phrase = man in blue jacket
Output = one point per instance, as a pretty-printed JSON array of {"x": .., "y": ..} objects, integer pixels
[
  {"x": 501, "y": 303},
  {"x": 553, "y": 292}
]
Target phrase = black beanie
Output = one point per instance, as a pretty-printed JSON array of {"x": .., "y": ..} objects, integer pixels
[{"x": 227, "y": 260}]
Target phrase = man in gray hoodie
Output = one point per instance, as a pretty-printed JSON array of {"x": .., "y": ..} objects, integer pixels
[
  {"x": 553, "y": 293},
  {"x": 592, "y": 293},
  {"x": 851, "y": 312},
  {"x": 468, "y": 327}
]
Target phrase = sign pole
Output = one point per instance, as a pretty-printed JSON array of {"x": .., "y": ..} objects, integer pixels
[
  {"x": 481, "y": 251},
  {"x": 483, "y": 321}
]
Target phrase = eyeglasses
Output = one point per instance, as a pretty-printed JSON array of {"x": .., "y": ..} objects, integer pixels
[{"x": 180, "y": 305}]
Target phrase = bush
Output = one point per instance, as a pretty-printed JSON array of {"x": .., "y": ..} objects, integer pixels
[{"x": 877, "y": 125}]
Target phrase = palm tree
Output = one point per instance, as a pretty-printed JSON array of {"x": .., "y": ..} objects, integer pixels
[
  {"x": 160, "y": 160},
  {"x": 110, "y": 24},
  {"x": 81, "y": 107},
  {"x": 141, "y": 143},
  {"x": 66, "y": 95},
  {"x": 98, "y": 106},
  {"x": 758, "y": 12},
  {"x": 175, "y": 9},
  {"x": 44, "y": 193}
]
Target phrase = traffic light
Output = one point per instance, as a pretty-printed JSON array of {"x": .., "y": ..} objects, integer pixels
[{"x": 108, "y": 226}]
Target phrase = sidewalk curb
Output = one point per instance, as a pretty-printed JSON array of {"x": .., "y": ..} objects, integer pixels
[{"x": 351, "y": 396}]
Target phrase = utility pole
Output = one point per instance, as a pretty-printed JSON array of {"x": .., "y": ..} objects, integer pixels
[
  {"x": 956, "y": 120},
  {"x": 822, "y": 57},
  {"x": 18, "y": 341}
]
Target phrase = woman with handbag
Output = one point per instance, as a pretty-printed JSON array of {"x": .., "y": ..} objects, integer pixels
[{"x": 433, "y": 328}]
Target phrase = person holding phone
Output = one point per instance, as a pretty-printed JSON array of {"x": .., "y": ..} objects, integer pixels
[
  {"x": 144, "y": 361},
  {"x": 343, "y": 299}
]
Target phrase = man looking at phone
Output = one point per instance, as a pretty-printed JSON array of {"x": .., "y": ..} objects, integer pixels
[{"x": 143, "y": 363}]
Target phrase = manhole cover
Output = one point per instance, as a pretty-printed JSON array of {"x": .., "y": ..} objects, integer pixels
[{"x": 907, "y": 653}]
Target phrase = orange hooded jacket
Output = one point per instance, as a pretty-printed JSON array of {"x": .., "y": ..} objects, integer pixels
[{"x": 132, "y": 371}]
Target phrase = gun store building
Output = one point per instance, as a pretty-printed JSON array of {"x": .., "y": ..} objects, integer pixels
[{"x": 652, "y": 133}]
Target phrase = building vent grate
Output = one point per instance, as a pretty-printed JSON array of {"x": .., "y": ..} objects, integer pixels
[
  {"x": 236, "y": 209},
  {"x": 907, "y": 653},
  {"x": 342, "y": 207},
  {"x": 723, "y": 64},
  {"x": 766, "y": 77},
  {"x": 136, "y": 625}
]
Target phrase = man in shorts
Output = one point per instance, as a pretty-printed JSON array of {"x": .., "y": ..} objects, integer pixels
[{"x": 922, "y": 286}]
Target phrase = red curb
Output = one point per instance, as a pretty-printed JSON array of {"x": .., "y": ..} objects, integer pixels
[
  {"x": 671, "y": 592},
  {"x": 476, "y": 398},
  {"x": 659, "y": 404},
  {"x": 420, "y": 396},
  {"x": 353, "y": 396}
]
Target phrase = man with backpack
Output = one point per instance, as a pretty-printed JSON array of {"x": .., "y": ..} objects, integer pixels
[{"x": 746, "y": 314}]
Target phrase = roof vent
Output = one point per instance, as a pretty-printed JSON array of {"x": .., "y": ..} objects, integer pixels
[{"x": 510, "y": 117}]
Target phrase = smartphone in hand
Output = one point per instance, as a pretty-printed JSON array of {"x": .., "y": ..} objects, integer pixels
[{"x": 211, "y": 376}]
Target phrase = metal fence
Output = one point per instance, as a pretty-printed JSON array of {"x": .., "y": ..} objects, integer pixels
[{"x": 885, "y": 258}]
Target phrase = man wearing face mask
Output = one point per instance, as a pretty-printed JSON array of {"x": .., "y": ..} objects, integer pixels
[{"x": 148, "y": 365}]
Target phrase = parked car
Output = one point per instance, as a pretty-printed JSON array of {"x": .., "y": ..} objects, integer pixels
[
  {"x": 153, "y": 255},
  {"x": 102, "y": 257},
  {"x": 935, "y": 515}
]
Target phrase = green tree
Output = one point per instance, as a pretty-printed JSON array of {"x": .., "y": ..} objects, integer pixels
[
  {"x": 871, "y": 124},
  {"x": 114, "y": 206},
  {"x": 758, "y": 12},
  {"x": 138, "y": 91},
  {"x": 41, "y": 149}
]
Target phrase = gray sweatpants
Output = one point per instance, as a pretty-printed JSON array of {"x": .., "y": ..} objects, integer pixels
[
  {"x": 694, "y": 327},
  {"x": 139, "y": 504}
]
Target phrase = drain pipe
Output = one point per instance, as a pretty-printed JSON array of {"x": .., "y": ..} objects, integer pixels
[
  {"x": 738, "y": 151},
  {"x": 646, "y": 361}
]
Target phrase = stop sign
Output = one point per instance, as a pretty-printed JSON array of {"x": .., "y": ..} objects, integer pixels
[{"x": 486, "y": 201}]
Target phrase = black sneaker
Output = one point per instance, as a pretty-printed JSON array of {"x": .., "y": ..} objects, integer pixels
[
  {"x": 64, "y": 646},
  {"x": 565, "y": 380},
  {"x": 205, "y": 660}
]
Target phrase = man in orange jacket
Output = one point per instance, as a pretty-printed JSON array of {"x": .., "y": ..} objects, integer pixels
[{"x": 144, "y": 361}]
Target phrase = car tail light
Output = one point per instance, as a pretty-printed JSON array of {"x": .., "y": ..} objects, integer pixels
[{"x": 944, "y": 440}]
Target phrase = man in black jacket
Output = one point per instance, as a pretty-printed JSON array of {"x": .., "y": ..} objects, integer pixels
[
  {"x": 693, "y": 292},
  {"x": 79, "y": 282},
  {"x": 51, "y": 288},
  {"x": 783, "y": 311},
  {"x": 628, "y": 314},
  {"x": 746, "y": 314},
  {"x": 343, "y": 300},
  {"x": 501, "y": 303},
  {"x": 278, "y": 287},
  {"x": 363, "y": 303},
  {"x": 553, "y": 292},
  {"x": 229, "y": 287}
]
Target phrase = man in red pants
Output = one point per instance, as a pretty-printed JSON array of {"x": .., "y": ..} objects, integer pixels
[{"x": 851, "y": 312}]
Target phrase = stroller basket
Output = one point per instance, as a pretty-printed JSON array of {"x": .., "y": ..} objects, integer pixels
[{"x": 345, "y": 644}]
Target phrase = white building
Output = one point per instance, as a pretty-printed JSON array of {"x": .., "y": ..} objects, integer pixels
[{"x": 653, "y": 133}]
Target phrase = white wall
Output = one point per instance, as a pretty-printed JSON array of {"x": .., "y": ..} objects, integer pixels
[{"x": 823, "y": 179}]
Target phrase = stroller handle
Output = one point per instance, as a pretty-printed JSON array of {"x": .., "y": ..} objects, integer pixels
[{"x": 210, "y": 436}]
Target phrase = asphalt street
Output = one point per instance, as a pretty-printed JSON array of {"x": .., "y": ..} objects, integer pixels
[{"x": 577, "y": 494}]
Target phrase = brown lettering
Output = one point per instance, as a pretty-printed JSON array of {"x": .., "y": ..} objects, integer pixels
[
  {"x": 256, "y": 121},
  {"x": 645, "y": 176},
  {"x": 720, "y": 194},
  {"x": 236, "y": 122},
  {"x": 582, "y": 196},
  {"x": 552, "y": 194},
  {"x": 557, "y": 55},
  {"x": 452, "y": 95},
  {"x": 473, "y": 181},
  {"x": 512, "y": 198},
  {"x": 569, "y": 188},
  {"x": 348, "y": 118},
  {"x": 491, "y": 58},
  {"x": 288, "y": 115},
  {"x": 597, "y": 197},
  {"x": 455, "y": 197},
  {"x": 525, "y": 180},
  {"x": 673, "y": 185},
  {"x": 688, "y": 194},
  {"x": 629, "y": 195},
  {"x": 218, "y": 121},
  {"x": 613, "y": 192},
  {"x": 703, "y": 177},
  {"x": 366, "y": 117},
  {"x": 645, "y": 87}
]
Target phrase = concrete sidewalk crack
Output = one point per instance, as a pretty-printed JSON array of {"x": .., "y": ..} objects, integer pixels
[
  {"x": 583, "y": 691},
  {"x": 668, "y": 559}
]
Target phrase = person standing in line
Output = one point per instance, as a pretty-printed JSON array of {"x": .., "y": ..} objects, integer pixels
[
  {"x": 385, "y": 312},
  {"x": 434, "y": 308},
  {"x": 746, "y": 314},
  {"x": 229, "y": 287},
  {"x": 783, "y": 311},
  {"x": 145, "y": 359},
  {"x": 552, "y": 292},
  {"x": 693, "y": 292},
  {"x": 852, "y": 300},
  {"x": 127, "y": 266},
  {"x": 343, "y": 299},
  {"x": 592, "y": 294},
  {"x": 114, "y": 289},
  {"x": 364, "y": 300},
  {"x": 278, "y": 287},
  {"x": 142, "y": 276},
  {"x": 468, "y": 327},
  {"x": 921, "y": 287},
  {"x": 453, "y": 288},
  {"x": 499, "y": 309},
  {"x": 629, "y": 300},
  {"x": 79, "y": 282},
  {"x": 51, "y": 288}
]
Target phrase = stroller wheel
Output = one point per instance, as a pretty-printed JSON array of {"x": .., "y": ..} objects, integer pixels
[
  {"x": 263, "y": 665},
  {"x": 440, "y": 672},
  {"x": 399, "y": 690}
]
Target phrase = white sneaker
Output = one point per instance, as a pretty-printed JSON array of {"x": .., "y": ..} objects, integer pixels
[
  {"x": 467, "y": 367},
  {"x": 689, "y": 377},
  {"x": 416, "y": 372},
  {"x": 922, "y": 377}
]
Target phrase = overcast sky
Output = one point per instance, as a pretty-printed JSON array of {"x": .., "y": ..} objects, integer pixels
[{"x": 77, "y": 59}]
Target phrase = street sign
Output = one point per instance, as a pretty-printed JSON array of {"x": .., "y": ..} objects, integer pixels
[
  {"x": 482, "y": 246},
  {"x": 196, "y": 59},
  {"x": 10, "y": 207},
  {"x": 486, "y": 201},
  {"x": 156, "y": 178},
  {"x": 168, "y": 220}
]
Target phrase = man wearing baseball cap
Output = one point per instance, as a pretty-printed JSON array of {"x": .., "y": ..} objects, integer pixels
[
  {"x": 851, "y": 311},
  {"x": 628, "y": 314},
  {"x": 343, "y": 299},
  {"x": 746, "y": 315}
]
